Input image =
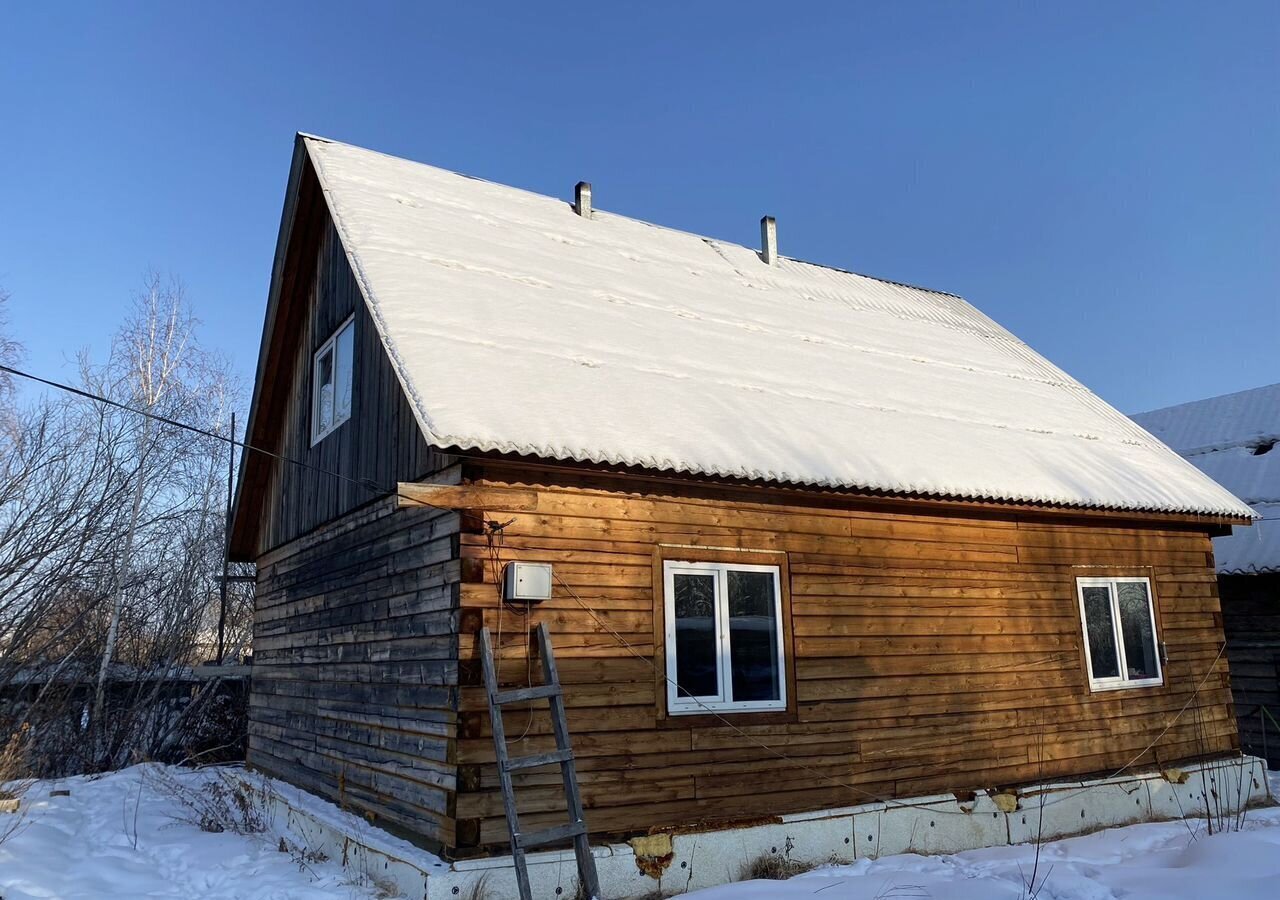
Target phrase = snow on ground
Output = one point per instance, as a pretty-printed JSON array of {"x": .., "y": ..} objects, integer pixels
[
  {"x": 123, "y": 836},
  {"x": 83, "y": 845},
  {"x": 1165, "y": 860}
]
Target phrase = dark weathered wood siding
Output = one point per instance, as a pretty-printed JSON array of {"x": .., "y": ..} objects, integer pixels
[
  {"x": 1251, "y": 619},
  {"x": 355, "y": 632},
  {"x": 354, "y": 690},
  {"x": 380, "y": 444},
  {"x": 932, "y": 652}
]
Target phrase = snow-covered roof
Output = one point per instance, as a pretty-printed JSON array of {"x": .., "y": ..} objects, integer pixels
[
  {"x": 1235, "y": 440},
  {"x": 517, "y": 326}
]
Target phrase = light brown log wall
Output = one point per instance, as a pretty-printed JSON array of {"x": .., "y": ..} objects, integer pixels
[
  {"x": 933, "y": 652},
  {"x": 354, "y": 689}
]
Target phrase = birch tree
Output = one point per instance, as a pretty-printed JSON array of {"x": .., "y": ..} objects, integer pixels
[
  {"x": 10, "y": 355},
  {"x": 111, "y": 535}
]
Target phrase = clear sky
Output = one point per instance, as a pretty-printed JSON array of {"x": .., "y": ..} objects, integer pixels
[{"x": 1101, "y": 178}]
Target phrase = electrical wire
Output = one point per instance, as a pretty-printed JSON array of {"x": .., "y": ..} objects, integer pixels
[
  {"x": 494, "y": 530},
  {"x": 887, "y": 802},
  {"x": 366, "y": 483},
  {"x": 373, "y": 486}
]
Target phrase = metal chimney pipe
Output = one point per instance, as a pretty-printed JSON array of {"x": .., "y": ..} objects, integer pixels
[
  {"x": 582, "y": 199},
  {"x": 769, "y": 240}
]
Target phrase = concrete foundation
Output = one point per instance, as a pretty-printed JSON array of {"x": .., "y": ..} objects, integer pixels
[{"x": 670, "y": 864}]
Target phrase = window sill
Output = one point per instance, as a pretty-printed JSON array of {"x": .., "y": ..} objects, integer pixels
[
  {"x": 734, "y": 717},
  {"x": 1099, "y": 687},
  {"x": 712, "y": 709},
  {"x": 315, "y": 439}
]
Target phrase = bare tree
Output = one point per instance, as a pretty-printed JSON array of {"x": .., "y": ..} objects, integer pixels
[
  {"x": 149, "y": 359},
  {"x": 11, "y": 353},
  {"x": 111, "y": 535}
]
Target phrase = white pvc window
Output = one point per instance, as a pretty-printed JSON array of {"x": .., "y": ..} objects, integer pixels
[
  {"x": 1119, "y": 632},
  {"x": 331, "y": 381},
  {"x": 724, "y": 638}
]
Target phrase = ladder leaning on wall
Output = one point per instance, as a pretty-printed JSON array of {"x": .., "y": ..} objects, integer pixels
[{"x": 562, "y": 755}]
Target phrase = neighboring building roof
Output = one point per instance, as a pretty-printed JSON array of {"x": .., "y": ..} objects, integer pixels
[
  {"x": 1235, "y": 440},
  {"x": 517, "y": 326}
]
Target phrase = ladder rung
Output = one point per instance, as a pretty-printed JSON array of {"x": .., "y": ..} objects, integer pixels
[
  {"x": 551, "y": 835},
  {"x": 529, "y": 693},
  {"x": 539, "y": 759}
]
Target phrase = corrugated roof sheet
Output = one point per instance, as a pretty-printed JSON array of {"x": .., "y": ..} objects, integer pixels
[
  {"x": 1234, "y": 439},
  {"x": 517, "y": 326}
]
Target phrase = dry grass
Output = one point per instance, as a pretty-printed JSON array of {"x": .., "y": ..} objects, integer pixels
[
  {"x": 774, "y": 867},
  {"x": 479, "y": 890},
  {"x": 14, "y": 783}
]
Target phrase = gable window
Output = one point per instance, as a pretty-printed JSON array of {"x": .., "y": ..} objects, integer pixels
[
  {"x": 331, "y": 382},
  {"x": 724, "y": 638},
  {"x": 1120, "y": 632}
]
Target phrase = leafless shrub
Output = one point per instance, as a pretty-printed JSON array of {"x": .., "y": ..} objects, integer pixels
[
  {"x": 1225, "y": 785},
  {"x": 225, "y": 802},
  {"x": 304, "y": 857},
  {"x": 1031, "y": 887}
]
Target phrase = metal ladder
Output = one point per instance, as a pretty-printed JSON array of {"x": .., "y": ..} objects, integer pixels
[{"x": 563, "y": 755}]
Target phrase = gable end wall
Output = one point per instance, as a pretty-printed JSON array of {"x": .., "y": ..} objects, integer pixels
[{"x": 353, "y": 695}]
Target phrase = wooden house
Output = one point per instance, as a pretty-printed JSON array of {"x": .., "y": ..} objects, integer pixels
[
  {"x": 1234, "y": 440},
  {"x": 814, "y": 537}
]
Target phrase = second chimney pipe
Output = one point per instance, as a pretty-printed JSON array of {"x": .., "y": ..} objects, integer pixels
[
  {"x": 769, "y": 240},
  {"x": 582, "y": 199}
]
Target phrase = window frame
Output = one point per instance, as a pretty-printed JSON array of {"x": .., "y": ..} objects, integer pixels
[
  {"x": 723, "y": 702},
  {"x": 1121, "y": 682},
  {"x": 331, "y": 346}
]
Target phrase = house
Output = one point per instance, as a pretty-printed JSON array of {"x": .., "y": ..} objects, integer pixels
[
  {"x": 1233, "y": 440},
  {"x": 816, "y": 539}
]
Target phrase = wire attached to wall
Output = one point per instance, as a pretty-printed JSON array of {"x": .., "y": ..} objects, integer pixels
[
  {"x": 494, "y": 533},
  {"x": 888, "y": 802}
]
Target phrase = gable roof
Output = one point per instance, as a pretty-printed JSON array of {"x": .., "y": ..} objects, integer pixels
[
  {"x": 1228, "y": 438},
  {"x": 515, "y": 325}
]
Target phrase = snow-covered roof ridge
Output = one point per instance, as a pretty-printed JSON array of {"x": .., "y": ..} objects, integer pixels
[
  {"x": 517, "y": 326},
  {"x": 1234, "y": 439}
]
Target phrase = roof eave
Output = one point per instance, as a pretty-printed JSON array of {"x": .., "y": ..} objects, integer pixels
[{"x": 242, "y": 531}]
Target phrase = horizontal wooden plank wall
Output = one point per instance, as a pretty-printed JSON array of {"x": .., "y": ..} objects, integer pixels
[
  {"x": 354, "y": 688},
  {"x": 933, "y": 652},
  {"x": 1251, "y": 618}
]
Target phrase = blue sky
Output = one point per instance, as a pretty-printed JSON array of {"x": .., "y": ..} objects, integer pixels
[{"x": 1103, "y": 179}]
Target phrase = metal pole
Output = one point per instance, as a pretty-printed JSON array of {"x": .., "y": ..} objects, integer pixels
[
  {"x": 226, "y": 543},
  {"x": 1262, "y": 721}
]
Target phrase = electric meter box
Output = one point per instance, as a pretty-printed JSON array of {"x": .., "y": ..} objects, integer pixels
[{"x": 526, "y": 582}]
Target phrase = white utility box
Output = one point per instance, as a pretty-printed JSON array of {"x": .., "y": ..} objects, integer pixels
[{"x": 526, "y": 582}]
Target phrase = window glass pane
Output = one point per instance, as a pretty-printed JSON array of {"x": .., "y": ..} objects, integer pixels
[
  {"x": 324, "y": 391},
  {"x": 1102, "y": 635},
  {"x": 753, "y": 636},
  {"x": 1135, "y": 628},
  {"x": 696, "y": 641},
  {"x": 342, "y": 377}
]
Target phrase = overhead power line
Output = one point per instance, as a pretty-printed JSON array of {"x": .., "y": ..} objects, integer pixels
[
  {"x": 366, "y": 483},
  {"x": 776, "y": 752}
]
